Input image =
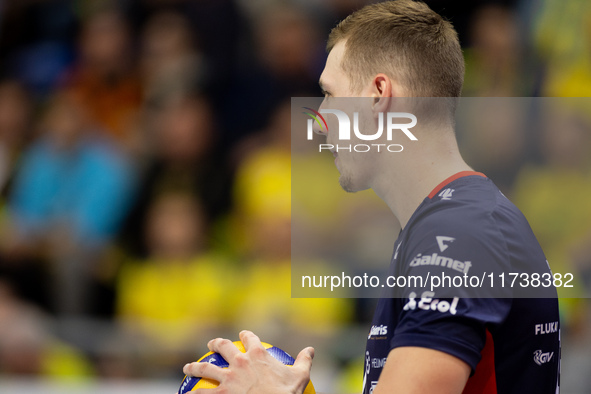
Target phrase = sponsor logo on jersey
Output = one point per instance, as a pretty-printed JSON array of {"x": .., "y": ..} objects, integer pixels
[
  {"x": 378, "y": 362},
  {"x": 441, "y": 242},
  {"x": 446, "y": 194},
  {"x": 546, "y": 328},
  {"x": 427, "y": 302},
  {"x": 542, "y": 358},
  {"x": 436, "y": 260},
  {"x": 377, "y": 330}
]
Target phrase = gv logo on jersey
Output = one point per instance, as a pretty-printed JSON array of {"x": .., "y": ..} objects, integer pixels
[{"x": 542, "y": 358}]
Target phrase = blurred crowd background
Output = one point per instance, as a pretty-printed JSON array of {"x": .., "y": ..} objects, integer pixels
[{"x": 145, "y": 163}]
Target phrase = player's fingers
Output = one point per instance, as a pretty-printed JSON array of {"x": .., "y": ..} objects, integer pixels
[
  {"x": 205, "y": 370},
  {"x": 225, "y": 347},
  {"x": 303, "y": 361},
  {"x": 250, "y": 340}
]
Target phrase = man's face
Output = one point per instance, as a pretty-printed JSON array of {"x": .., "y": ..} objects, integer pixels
[{"x": 336, "y": 87}]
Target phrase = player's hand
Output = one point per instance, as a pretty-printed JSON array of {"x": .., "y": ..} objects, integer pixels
[{"x": 253, "y": 372}]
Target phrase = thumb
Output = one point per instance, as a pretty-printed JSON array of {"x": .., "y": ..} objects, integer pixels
[{"x": 304, "y": 360}]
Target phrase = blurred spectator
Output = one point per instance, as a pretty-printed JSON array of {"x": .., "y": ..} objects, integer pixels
[
  {"x": 495, "y": 60},
  {"x": 221, "y": 42},
  {"x": 289, "y": 56},
  {"x": 263, "y": 181},
  {"x": 220, "y": 30},
  {"x": 171, "y": 66},
  {"x": 461, "y": 13},
  {"x": 22, "y": 335},
  {"x": 286, "y": 38},
  {"x": 105, "y": 77},
  {"x": 181, "y": 288},
  {"x": 70, "y": 194},
  {"x": 562, "y": 37},
  {"x": 15, "y": 125},
  {"x": 493, "y": 135},
  {"x": 182, "y": 140},
  {"x": 36, "y": 42},
  {"x": 262, "y": 198},
  {"x": 28, "y": 348}
]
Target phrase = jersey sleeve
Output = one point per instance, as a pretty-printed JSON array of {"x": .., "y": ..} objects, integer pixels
[{"x": 452, "y": 309}]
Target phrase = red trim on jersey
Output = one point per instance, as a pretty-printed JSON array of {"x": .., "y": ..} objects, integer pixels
[
  {"x": 453, "y": 178},
  {"x": 484, "y": 380}
]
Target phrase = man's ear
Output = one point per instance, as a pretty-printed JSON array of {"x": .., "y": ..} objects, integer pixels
[{"x": 382, "y": 93}]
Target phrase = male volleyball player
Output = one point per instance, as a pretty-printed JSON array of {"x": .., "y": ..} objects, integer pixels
[{"x": 448, "y": 213}]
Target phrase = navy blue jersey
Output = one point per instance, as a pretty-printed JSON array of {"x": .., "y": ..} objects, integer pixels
[{"x": 466, "y": 226}]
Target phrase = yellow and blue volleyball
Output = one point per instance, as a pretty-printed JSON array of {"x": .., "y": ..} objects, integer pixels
[{"x": 191, "y": 383}]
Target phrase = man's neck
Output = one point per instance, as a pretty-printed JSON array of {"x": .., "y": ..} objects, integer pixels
[{"x": 415, "y": 175}]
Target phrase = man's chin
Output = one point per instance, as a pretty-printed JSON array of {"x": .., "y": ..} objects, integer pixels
[{"x": 349, "y": 186}]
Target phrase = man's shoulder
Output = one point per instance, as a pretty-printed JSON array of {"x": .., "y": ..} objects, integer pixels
[
  {"x": 476, "y": 231},
  {"x": 472, "y": 205},
  {"x": 459, "y": 207},
  {"x": 472, "y": 217}
]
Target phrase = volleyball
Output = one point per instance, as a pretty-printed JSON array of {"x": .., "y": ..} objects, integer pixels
[{"x": 191, "y": 383}]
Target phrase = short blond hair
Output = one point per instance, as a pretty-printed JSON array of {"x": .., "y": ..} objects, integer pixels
[{"x": 405, "y": 40}]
